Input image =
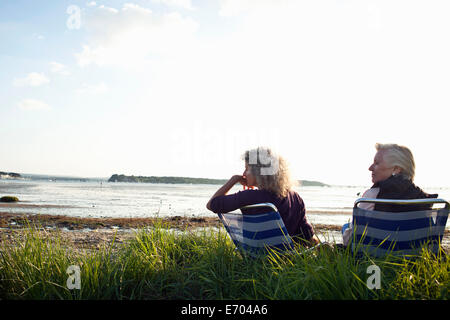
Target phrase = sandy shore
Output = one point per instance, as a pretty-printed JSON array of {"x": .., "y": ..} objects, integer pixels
[
  {"x": 19, "y": 220},
  {"x": 91, "y": 233},
  {"x": 95, "y": 232}
]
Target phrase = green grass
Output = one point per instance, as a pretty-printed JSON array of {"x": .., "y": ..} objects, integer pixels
[{"x": 160, "y": 264}]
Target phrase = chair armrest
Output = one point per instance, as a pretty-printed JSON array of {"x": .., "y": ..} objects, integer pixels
[{"x": 402, "y": 201}]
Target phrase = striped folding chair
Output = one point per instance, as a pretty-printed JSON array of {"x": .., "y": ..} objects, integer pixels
[
  {"x": 398, "y": 233},
  {"x": 254, "y": 234}
]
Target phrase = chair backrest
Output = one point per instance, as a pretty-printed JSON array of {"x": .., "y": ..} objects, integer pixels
[
  {"x": 255, "y": 233},
  {"x": 399, "y": 233}
]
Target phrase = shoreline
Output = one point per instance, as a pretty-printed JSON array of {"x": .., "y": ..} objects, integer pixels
[
  {"x": 23, "y": 204},
  {"x": 20, "y": 220},
  {"x": 93, "y": 233},
  {"x": 26, "y": 205}
]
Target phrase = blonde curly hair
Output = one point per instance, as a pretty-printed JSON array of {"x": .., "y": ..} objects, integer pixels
[{"x": 271, "y": 171}]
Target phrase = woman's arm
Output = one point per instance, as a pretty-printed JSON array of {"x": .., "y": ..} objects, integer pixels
[{"x": 226, "y": 187}]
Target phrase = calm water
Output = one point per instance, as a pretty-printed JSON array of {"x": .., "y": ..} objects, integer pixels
[{"x": 95, "y": 199}]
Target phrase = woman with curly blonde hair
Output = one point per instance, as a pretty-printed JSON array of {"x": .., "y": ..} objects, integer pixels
[{"x": 269, "y": 173}]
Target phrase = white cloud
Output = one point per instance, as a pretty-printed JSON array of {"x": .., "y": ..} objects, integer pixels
[
  {"x": 32, "y": 104},
  {"x": 91, "y": 4},
  {"x": 59, "y": 68},
  {"x": 185, "y": 4},
  {"x": 100, "y": 88},
  {"x": 38, "y": 36},
  {"x": 33, "y": 79},
  {"x": 133, "y": 35}
]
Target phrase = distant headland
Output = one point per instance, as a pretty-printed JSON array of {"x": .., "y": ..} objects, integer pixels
[
  {"x": 154, "y": 179},
  {"x": 9, "y": 175},
  {"x": 137, "y": 179}
]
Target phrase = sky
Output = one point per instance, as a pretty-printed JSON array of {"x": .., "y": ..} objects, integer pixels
[{"x": 184, "y": 87}]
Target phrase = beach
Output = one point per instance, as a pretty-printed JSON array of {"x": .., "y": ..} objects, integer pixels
[
  {"x": 91, "y": 233},
  {"x": 95, "y": 232},
  {"x": 92, "y": 214}
]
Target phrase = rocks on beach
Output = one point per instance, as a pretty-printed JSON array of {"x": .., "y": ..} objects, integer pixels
[
  {"x": 9, "y": 175},
  {"x": 9, "y": 199}
]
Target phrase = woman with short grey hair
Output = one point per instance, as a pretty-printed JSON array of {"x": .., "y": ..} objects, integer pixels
[
  {"x": 393, "y": 171},
  {"x": 398, "y": 159}
]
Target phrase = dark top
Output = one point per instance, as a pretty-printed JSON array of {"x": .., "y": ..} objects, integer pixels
[
  {"x": 291, "y": 209},
  {"x": 399, "y": 187}
]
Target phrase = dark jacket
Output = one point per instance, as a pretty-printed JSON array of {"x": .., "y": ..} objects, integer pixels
[{"x": 399, "y": 187}]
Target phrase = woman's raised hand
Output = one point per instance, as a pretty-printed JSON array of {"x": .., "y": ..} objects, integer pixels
[{"x": 242, "y": 180}]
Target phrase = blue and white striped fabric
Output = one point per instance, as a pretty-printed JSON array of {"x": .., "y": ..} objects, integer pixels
[
  {"x": 255, "y": 233},
  {"x": 398, "y": 233}
]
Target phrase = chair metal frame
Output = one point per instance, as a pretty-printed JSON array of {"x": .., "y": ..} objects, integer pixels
[{"x": 252, "y": 251}]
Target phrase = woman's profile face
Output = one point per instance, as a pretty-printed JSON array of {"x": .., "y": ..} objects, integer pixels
[
  {"x": 251, "y": 181},
  {"x": 381, "y": 170}
]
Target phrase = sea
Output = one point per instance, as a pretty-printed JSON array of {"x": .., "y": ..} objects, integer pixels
[{"x": 330, "y": 205}]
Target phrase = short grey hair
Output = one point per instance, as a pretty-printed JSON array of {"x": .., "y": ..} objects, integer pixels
[{"x": 400, "y": 156}]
